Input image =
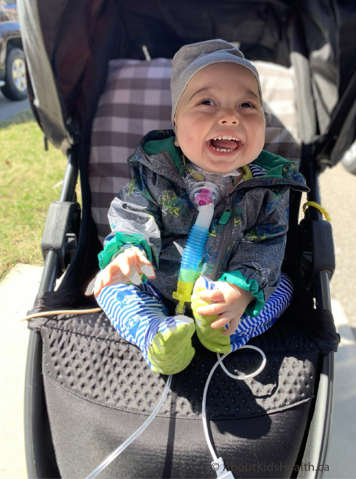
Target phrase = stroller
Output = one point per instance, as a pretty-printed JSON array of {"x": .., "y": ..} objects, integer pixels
[{"x": 98, "y": 79}]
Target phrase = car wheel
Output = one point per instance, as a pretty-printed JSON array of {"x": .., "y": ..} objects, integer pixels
[{"x": 15, "y": 87}]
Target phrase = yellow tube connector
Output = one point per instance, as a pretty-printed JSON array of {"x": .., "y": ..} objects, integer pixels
[{"x": 183, "y": 294}]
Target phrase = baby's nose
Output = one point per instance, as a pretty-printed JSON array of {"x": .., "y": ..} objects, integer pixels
[{"x": 229, "y": 118}]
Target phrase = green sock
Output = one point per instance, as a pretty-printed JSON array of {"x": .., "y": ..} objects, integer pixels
[
  {"x": 171, "y": 348},
  {"x": 212, "y": 339}
]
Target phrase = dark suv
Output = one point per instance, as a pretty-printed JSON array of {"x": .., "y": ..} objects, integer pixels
[{"x": 12, "y": 61}]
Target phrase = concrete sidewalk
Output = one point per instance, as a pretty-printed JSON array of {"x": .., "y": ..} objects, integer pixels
[
  {"x": 341, "y": 458},
  {"x": 17, "y": 293}
]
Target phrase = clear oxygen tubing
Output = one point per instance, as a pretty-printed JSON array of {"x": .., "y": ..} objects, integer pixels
[
  {"x": 217, "y": 463},
  {"x": 133, "y": 436},
  {"x": 205, "y": 196}
]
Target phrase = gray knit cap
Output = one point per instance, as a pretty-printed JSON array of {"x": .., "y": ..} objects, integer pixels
[{"x": 192, "y": 58}]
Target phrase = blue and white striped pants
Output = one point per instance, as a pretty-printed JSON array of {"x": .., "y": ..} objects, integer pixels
[
  {"x": 137, "y": 313},
  {"x": 274, "y": 307}
]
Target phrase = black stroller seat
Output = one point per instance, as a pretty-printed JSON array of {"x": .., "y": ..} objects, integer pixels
[{"x": 99, "y": 391}]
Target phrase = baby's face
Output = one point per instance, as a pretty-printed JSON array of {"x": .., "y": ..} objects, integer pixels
[{"x": 219, "y": 122}]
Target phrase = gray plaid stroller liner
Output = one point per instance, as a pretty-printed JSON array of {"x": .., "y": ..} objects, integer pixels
[{"x": 99, "y": 80}]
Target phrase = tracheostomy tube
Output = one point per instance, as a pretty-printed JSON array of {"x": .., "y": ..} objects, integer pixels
[{"x": 204, "y": 195}]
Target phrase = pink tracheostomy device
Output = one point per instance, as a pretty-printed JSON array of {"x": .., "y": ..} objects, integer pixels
[{"x": 203, "y": 197}]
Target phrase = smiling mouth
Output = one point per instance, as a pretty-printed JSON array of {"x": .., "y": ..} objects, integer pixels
[{"x": 224, "y": 144}]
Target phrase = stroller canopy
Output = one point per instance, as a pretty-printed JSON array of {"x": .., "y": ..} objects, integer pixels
[{"x": 68, "y": 45}]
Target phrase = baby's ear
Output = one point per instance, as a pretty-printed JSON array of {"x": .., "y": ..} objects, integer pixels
[{"x": 176, "y": 142}]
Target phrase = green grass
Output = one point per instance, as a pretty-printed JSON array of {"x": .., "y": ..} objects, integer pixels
[{"x": 30, "y": 179}]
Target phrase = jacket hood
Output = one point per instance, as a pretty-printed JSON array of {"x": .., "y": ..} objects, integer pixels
[{"x": 158, "y": 152}]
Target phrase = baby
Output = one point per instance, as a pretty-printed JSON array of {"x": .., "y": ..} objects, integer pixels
[{"x": 202, "y": 226}]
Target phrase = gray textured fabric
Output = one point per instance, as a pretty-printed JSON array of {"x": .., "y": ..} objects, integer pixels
[{"x": 192, "y": 58}]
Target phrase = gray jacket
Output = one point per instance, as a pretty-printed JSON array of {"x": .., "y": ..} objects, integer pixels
[{"x": 247, "y": 236}]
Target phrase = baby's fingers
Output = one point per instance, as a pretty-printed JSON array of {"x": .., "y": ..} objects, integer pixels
[
  {"x": 232, "y": 327},
  {"x": 134, "y": 262},
  {"x": 148, "y": 270},
  {"x": 101, "y": 281},
  {"x": 127, "y": 261},
  {"x": 211, "y": 309},
  {"x": 106, "y": 277},
  {"x": 144, "y": 265},
  {"x": 214, "y": 295},
  {"x": 223, "y": 321},
  {"x": 98, "y": 286},
  {"x": 134, "y": 277},
  {"x": 220, "y": 322}
]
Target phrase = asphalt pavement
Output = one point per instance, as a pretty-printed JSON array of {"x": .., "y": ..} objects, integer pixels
[{"x": 8, "y": 109}]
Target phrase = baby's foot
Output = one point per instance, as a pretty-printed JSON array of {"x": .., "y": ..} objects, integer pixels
[
  {"x": 212, "y": 339},
  {"x": 171, "y": 349}
]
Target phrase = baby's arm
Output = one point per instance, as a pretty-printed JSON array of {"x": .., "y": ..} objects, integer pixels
[
  {"x": 125, "y": 268},
  {"x": 229, "y": 302},
  {"x": 134, "y": 218}
]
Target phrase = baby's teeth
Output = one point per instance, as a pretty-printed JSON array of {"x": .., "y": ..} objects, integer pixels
[
  {"x": 221, "y": 149},
  {"x": 225, "y": 138}
]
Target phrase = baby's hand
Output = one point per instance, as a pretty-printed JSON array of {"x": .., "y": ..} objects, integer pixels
[
  {"x": 127, "y": 267},
  {"x": 229, "y": 302}
]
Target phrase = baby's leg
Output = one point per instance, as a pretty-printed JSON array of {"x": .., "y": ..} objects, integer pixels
[
  {"x": 248, "y": 327},
  {"x": 274, "y": 307},
  {"x": 140, "y": 318}
]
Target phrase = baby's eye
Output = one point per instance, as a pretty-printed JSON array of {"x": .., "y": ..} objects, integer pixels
[
  {"x": 207, "y": 101},
  {"x": 247, "y": 104}
]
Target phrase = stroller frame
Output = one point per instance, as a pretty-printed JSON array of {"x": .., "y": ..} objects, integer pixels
[
  {"x": 39, "y": 449},
  {"x": 318, "y": 150}
]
